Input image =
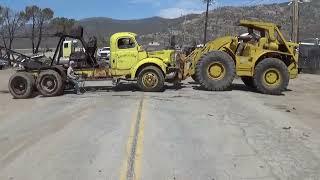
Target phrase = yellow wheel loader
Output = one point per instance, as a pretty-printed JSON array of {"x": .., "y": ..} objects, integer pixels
[{"x": 262, "y": 58}]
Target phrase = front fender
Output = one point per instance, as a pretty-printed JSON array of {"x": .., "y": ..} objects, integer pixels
[{"x": 148, "y": 61}]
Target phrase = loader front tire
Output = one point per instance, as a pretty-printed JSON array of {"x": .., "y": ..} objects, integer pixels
[
  {"x": 271, "y": 76},
  {"x": 216, "y": 71},
  {"x": 21, "y": 85},
  {"x": 50, "y": 83},
  {"x": 151, "y": 79}
]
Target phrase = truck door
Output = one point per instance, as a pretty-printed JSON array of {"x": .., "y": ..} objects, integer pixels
[{"x": 125, "y": 57}]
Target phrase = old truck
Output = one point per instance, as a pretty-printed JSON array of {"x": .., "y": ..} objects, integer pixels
[
  {"x": 262, "y": 57},
  {"x": 128, "y": 61}
]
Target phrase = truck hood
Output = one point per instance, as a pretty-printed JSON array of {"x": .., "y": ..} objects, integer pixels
[{"x": 165, "y": 55}]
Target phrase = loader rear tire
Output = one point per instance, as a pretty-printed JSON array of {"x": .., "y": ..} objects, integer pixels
[
  {"x": 248, "y": 81},
  {"x": 151, "y": 79},
  {"x": 216, "y": 71},
  {"x": 271, "y": 76},
  {"x": 50, "y": 83},
  {"x": 21, "y": 85}
]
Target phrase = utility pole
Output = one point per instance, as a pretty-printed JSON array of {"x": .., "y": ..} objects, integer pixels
[
  {"x": 184, "y": 29},
  {"x": 295, "y": 21},
  {"x": 206, "y": 23}
]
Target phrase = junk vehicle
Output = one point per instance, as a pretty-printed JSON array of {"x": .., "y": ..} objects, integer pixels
[
  {"x": 263, "y": 59},
  {"x": 128, "y": 61}
]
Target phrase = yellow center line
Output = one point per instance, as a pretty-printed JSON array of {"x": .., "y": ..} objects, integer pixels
[{"x": 131, "y": 168}]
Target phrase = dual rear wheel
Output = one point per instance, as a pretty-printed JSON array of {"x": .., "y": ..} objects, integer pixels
[{"x": 49, "y": 83}]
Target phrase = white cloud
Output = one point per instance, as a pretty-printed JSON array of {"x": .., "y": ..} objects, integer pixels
[
  {"x": 182, "y": 7},
  {"x": 177, "y": 12}
]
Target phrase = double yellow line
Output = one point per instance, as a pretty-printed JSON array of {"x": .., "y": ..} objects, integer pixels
[{"x": 131, "y": 168}]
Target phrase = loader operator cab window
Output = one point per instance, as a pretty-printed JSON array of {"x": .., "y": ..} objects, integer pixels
[
  {"x": 251, "y": 36},
  {"x": 126, "y": 43}
]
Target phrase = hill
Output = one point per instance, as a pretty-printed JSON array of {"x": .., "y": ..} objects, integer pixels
[{"x": 189, "y": 28}]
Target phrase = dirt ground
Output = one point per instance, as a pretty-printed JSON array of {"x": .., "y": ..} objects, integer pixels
[{"x": 121, "y": 133}]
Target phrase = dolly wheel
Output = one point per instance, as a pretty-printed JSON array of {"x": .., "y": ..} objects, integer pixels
[
  {"x": 21, "y": 85},
  {"x": 49, "y": 83}
]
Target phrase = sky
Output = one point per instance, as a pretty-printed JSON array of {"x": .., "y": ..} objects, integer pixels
[{"x": 125, "y": 9}]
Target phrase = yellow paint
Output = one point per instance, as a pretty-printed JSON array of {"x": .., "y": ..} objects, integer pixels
[
  {"x": 272, "y": 77},
  {"x": 139, "y": 145},
  {"x": 216, "y": 71},
  {"x": 271, "y": 45},
  {"x": 155, "y": 61},
  {"x": 139, "y": 150}
]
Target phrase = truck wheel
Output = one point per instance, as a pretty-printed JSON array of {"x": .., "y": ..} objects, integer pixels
[
  {"x": 248, "y": 81},
  {"x": 49, "y": 83},
  {"x": 151, "y": 79},
  {"x": 21, "y": 85},
  {"x": 271, "y": 76},
  {"x": 216, "y": 71}
]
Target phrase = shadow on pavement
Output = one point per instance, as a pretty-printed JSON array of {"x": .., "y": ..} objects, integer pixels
[{"x": 236, "y": 87}]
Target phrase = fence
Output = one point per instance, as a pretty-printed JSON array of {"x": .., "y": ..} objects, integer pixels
[{"x": 309, "y": 58}]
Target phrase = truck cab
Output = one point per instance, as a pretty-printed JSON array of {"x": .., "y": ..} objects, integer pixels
[
  {"x": 128, "y": 56},
  {"x": 128, "y": 61}
]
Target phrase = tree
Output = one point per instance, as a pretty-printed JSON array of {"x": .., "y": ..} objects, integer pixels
[
  {"x": 63, "y": 25},
  {"x": 38, "y": 18},
  {"x": 10, "y": 22},
  {"x": 208, "y": 3}
]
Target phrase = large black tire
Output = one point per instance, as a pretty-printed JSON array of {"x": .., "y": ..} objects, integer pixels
[
  {"x": 151, "y": 79},
  {"x": 21, "y": 85},
  {"x": 271, "y": 76},
  {"x": 216, "y": 71},
  {"x": 50, "y": 83},
  {"x": 248, "y": 81}
]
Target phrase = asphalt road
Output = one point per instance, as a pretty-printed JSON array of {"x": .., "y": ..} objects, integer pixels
[{"x": 185, "y": 134}]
